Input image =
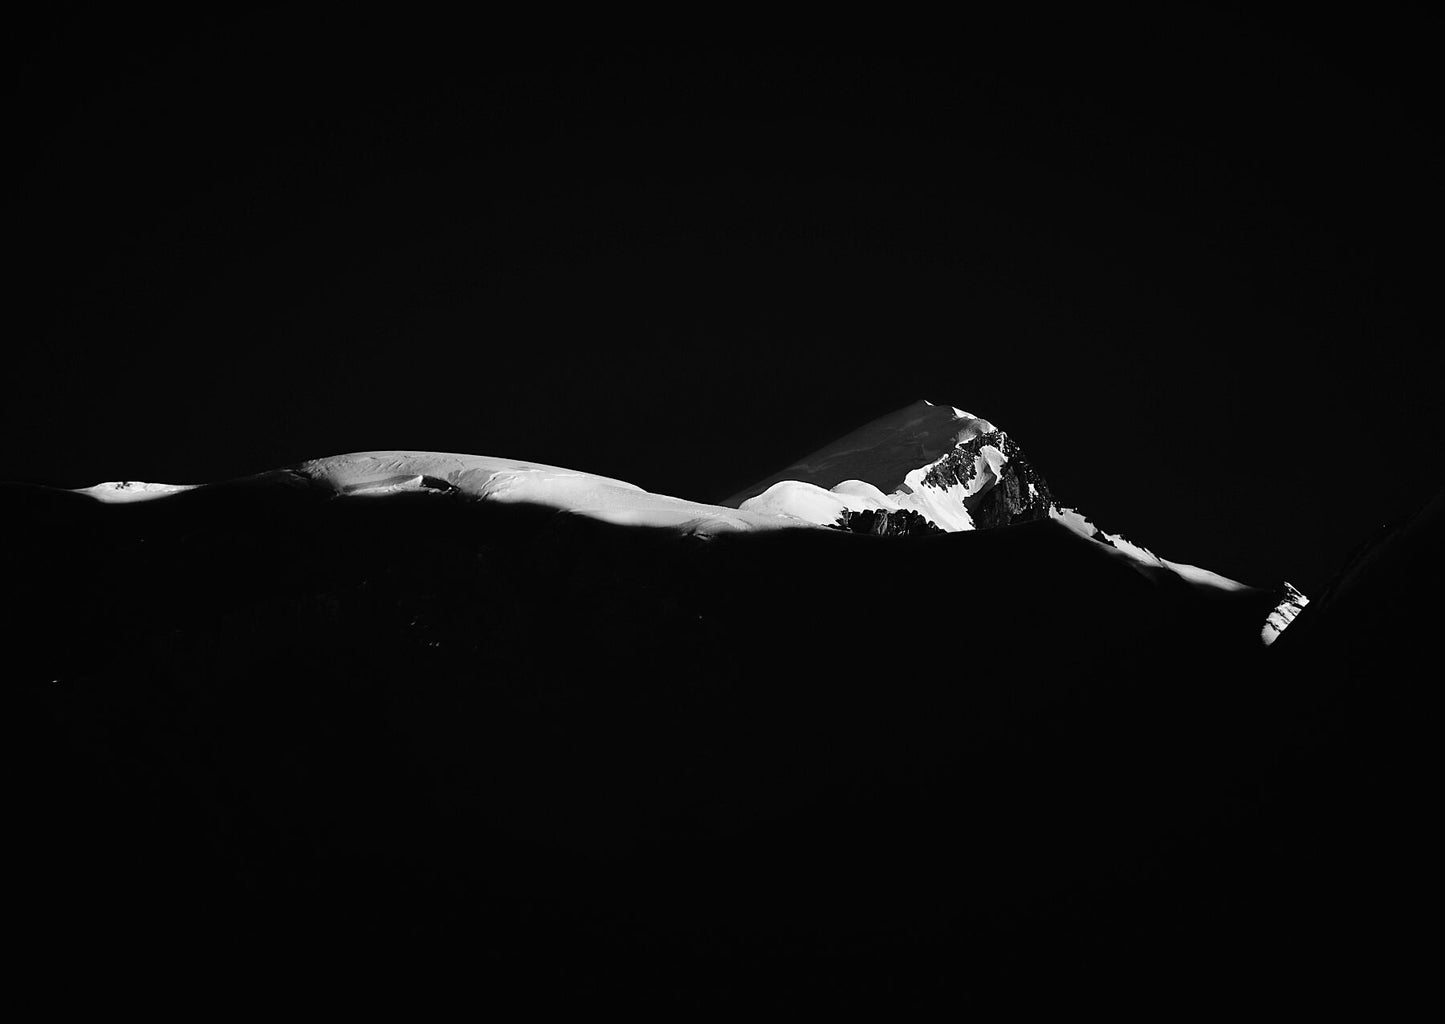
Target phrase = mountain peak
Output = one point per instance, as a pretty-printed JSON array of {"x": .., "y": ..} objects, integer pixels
[
  {"x": 934, "y": 467},
  {"x": 956, "y": 470}
]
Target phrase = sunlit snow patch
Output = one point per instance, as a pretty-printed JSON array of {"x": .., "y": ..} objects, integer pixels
[
  {"x": 119, "y": 491},
  {"x": 509, "y": 481}
]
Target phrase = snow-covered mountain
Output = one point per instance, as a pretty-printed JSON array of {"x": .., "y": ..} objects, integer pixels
[
  {"x": 938, "y": 467},
  {"x": 924, "y": 469},
  {"x": 955, "y": 470}
]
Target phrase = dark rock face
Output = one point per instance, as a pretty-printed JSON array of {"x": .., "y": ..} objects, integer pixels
[
  {"x": 887, "y": 523},
  {"x": 1007, "y": 502}
]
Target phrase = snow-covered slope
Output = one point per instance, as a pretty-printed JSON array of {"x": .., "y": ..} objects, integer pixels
[
  {"x": 485, "y": 479},
  {"x": 125, "y": 491}
]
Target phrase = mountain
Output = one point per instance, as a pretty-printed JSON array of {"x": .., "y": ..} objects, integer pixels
[
  {"x": 944, "y": 469},
  {"x": 954, "y": 471},
  {"x": 577, "y": 740}
]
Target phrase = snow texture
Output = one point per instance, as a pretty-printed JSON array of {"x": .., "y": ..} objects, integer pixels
[
  {"x": 122, "y": 491},
  {"x": 486, "y": 479}
]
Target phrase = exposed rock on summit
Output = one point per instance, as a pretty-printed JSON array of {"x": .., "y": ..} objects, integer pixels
[
  {"x": 955, "y": 472},
  {"x": 882, "y": 523},
  {"x": 1017, "y": 494}
]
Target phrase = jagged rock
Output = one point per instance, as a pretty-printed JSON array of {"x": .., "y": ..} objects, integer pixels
[
  {"x": 1020, "y": 495},
  {"x": 885, "y": 523},
  {"x": 1291, "y": 603}
]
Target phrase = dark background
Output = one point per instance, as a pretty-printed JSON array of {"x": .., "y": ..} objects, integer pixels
[{"x": 1190, "y": 267}]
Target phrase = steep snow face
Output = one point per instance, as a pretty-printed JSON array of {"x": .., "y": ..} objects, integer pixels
[
  {"x": 1144, "y": 560},
  {"x": 989, "y": 476}
]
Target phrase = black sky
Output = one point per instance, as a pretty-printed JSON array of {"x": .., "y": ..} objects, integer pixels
[{"x": 1191, "y": 268}]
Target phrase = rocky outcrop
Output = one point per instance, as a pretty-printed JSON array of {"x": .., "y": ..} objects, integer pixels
[
  {"x": 885, "y": 523},
  {"x": 1019, "y": 495},
  {"x": 1291, "y": 603}
]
